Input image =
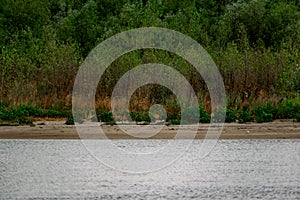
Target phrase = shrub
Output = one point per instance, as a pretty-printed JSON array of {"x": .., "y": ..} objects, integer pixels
[
  {"x": 53, "y": 113},
  {"x": 24, "y": 120},
  {"x": 265, "y": 113},
  {"x": 106, "y": 117},
  {"x": 140, "y": 117},
  {"x": 6, "y": 114},
  {"x": 70, "y": 121},
  {"x": 175, "y": 122},
  {"x": 204, "y": 117},
  {"x": 244, "y": 116},
  {"x": 19, "y": 115},
  {"x": 288, "y": 109},
  {"x": 230, "y": 115},
  {"x": 262, "y": 116},
  {"x": 298, "y": 117}
]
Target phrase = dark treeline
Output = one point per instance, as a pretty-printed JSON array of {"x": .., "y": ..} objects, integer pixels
[{"x": 255, "y": 44}]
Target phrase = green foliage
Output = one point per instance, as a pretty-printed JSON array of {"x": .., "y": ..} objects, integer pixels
[
  {"x": 263, "y": 116},
  {"x": 106, "y": 117},
  {"x": 286, "y": 110},
  {"x": 265, "y": 113},
  {"x": 20, "y": 115},
  {"x": 190, "y": 116},
  {"x": 175, "y": 122},
  {"x": 70, "y": 121},
  {"x": 298, "y": 117},
  {"x": 229, "y": 114},
  {"x": 17, "y": 16},
  {"x": 204, "y": 117},
  {"x": 244, "y": 116},
  {"x": 289, "y": 109},
  {"x": 140, "y": 117},
  {"x": 24, "y": 113},
  {"x": 265, "y": 21},
  {"x": 81, "y": 26},
  {"x": 22, "y": 120}
]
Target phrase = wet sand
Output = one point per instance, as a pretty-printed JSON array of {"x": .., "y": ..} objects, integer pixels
[{"x": 58, "y": 130}]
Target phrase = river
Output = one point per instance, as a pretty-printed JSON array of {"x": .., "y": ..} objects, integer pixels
[{"x": 243, "y": 169}]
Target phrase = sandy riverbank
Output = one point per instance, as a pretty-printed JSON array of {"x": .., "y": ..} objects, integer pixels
[{"x": 58, "y": 130}]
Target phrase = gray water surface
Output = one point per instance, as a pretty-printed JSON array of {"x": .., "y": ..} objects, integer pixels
[{"x": 243, "y": 169}]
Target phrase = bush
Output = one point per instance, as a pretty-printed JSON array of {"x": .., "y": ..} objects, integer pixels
[
  {"x": 20, "y": 115},
  {"x": 24, "y": 120},
  {"x": 230, "y": 115},
  {"x": 70, "y": 121},
  {"x": 288, "y": 109},
  {"x": 298, "y": 117},
  {"x": 53, "y": 113},
  {"x": 175, "y": 122},
  {"x": 106, "y": 117},
  {"x": 244, "y": 116},
  {"x": 265, "y": 113},
  {"x": 204, "y": 117},
  {"x": 262, "y": 116},
  {"x": 6, "y": 114},
  {"x": 140, "y": 117}
]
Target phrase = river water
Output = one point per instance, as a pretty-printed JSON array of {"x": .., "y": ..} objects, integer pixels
[{"x": 242, "y": 169}]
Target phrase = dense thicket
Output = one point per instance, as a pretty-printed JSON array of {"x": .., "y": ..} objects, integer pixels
[{"x": 255, "y": 44}]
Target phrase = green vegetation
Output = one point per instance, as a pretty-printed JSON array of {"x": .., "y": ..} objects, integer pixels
[
  {"x": 140, "y": 117},
  {"x": 255, "y": 45},
  {"x": 287, "y": 109},
  {"x": 106, "y": 117},
  {"x": 24, "y": 114},
  {"x": 230, "y": 115},
  {"x": 70, "y": 121}
]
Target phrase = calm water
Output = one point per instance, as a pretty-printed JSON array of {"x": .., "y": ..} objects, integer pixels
[{"x": 243, "y": 169}]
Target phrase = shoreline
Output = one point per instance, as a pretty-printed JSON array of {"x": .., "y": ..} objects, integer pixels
[{"x": 58, "y": 130}]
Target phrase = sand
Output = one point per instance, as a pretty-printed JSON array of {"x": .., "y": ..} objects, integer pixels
[{"x": 284, "y": 129}]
